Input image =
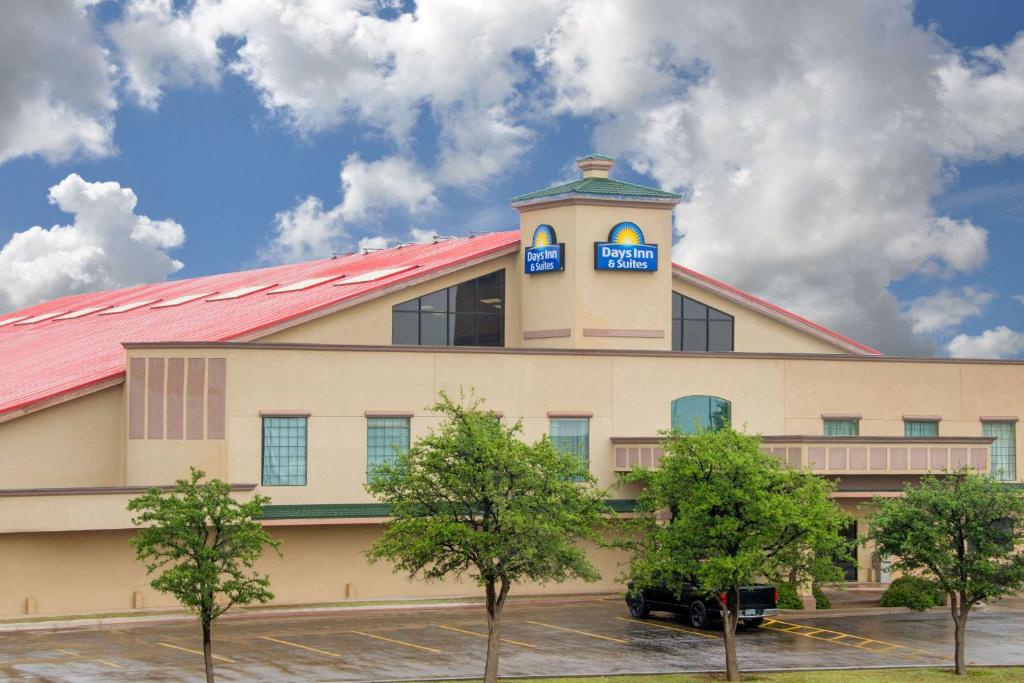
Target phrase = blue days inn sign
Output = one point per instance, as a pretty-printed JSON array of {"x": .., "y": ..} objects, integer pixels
[
  {"x": 626, "y": 250},
  {"x": 545, "y": 254}
]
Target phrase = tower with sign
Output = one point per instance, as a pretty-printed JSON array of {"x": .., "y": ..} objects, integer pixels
[{"x": 596, "y": 263}]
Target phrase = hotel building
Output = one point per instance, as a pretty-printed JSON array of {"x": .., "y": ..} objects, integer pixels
[{"x": 295, "y": 381}]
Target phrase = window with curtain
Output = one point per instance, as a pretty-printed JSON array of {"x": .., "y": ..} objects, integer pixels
[
  {"x": 699, "y": 327},
  {"x": 920, "y": 429},
  {"x": 572, "y": 436},
  {"x": 284, "y": 451},
  {"x": 386, "y": 437},
  {"x": 841, "y": 426},
  {"x": 471, "y": 313},
  {"x": 691, "y": 414},
  {"x": 1004, "y": 449}
]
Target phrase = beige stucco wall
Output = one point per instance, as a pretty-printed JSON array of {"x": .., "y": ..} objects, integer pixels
[
  {"x": 370, "y": 322},
  {"x": 75, "y": 443},
  {"x": 755, "y": 332},
  {"x": 582, "y": 298},
  {"x": 317, "y": 563},
  {"x": 627, "y": 395}
]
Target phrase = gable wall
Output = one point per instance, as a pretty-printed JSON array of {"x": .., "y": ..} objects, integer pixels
[
  {"x": 370, "y": 322},
  {"x": 756, "y": 332}
]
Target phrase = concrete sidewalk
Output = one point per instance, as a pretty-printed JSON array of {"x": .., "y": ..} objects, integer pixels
[{"x": 171, "y": 615}]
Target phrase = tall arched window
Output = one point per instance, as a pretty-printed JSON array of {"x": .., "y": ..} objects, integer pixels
[{"x": 693, "y": 413}]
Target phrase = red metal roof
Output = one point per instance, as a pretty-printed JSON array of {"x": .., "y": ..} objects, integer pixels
[{"x": 42, "y": 361}]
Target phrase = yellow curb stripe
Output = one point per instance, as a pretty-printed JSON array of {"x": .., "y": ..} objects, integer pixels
[
  {"x": 300, "y": 646},
  {"x": 227, "y": 660},
  {"x": 883, "y": 642},
  {"x": 582, "y": 633},
  {"x": 904, "y": 651},
  {"x": 669, "y": 628},
  {"x": 398, "y": 642},
  {"x": 484, "y": 635}
]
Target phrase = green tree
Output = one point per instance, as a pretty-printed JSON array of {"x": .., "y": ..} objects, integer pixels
[
  {"x": 472, "y": 498},
  {"x": 963, "y": 530},
  {"x": 203, "y": 544},
  {"x": 721, "y": 514}
]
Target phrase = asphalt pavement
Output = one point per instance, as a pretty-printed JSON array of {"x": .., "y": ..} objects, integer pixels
[{"x": 547, "y": 639}]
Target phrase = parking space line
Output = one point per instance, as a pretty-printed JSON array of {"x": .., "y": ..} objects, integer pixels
[
  {"x": 398, "y": 642},
  {"x": 840, "y": 638},
  {"x": 670, "y": 628},
  {"x": 582, "y": 633},
  {"x": 101, "y": 661},
  {"x": 300, "y": 646},
  {"x": 484, "y": 635},
  {"x": 227, "y": 660}
]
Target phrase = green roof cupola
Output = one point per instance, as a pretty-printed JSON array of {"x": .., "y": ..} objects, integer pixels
[
  {"x": 596, "y": 184},
  {"x": 595, "y": 165}
]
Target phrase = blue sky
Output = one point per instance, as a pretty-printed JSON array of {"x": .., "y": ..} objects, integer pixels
[{"x": 223, "y": 119}]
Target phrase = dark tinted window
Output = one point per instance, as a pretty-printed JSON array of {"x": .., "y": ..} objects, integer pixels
[
  {"x": 698, "y": 327},
  {"x": 471, "y": 313}
]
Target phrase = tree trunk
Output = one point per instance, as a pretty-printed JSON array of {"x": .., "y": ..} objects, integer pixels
[
  {"x": 207, "y": 648},
  {"x": 730, "y": 618},
  {"x": 495, "y": 603},
  {"x": 960, "y": 610}
]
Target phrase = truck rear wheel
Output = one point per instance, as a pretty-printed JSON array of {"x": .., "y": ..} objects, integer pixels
[
  {"x": 698, "y": 615},
  {"x": 638, "y": 607}
]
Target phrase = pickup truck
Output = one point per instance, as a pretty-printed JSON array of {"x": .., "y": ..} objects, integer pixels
[{"x": 702, "y": 609}]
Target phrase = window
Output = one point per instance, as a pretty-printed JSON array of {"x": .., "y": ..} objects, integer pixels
[
  {"x": 471, "y": 313},
  {"x": 385, "y": 438},
  {"x": 694, "y": 413},
  {"x": 920, "y": 429},
  {"x": 1004, "y": 449},
  {"x": 842, "y": 426},
  {"x": 697, "y": 327},
  {"x": 284, "y": 451},
  {"x": 572, "y": 436}
]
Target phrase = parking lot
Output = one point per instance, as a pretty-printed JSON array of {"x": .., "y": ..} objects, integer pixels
[{"x": 594, "y": 636}]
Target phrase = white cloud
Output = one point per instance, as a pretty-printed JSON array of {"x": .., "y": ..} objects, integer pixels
[
  {"x": 309, "y": 231},
  {"x": 318, "y": 64},
  {"x": 305, "y": 232},
  {"x": 946, "y": 309},
  {"x": 56, "y": 87},
  {"x": 982, "y": 95},
  {"x": 809, "y": 139},
  {"x": 375, "y": 242},
  {"x": 422, "y": 235},
  {"x": 160, "y": 46},
  {"x": 1020, "y": 298},
  {"x": 1000, "y": 342},
  {"x": 391, "y": 181},
  {"x": 107, "y": 246}
]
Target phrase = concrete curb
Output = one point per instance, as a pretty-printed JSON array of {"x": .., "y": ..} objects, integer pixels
[{"x": 297, "y": 611}]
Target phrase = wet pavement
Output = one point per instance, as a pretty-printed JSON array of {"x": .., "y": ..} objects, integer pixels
[{"x": 583, "y": 637}]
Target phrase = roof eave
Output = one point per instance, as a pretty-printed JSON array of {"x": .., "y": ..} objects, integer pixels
[{"x": 617, "y": 198}]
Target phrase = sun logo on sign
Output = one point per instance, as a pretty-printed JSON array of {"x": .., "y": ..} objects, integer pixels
[
  {"x": 626, "y": 233},
  {"x": 543, "y": 236}
]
